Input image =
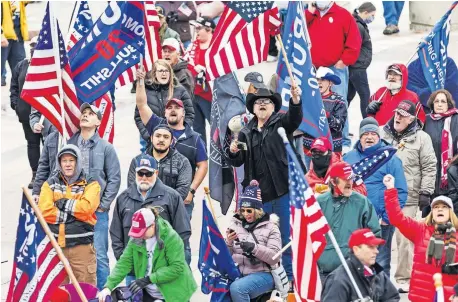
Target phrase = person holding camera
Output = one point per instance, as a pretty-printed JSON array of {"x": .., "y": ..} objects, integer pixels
[
  {"x": 253, "y": 238},
  {"x": 179, "y": 13},
  {"x": 434, "y": 241}
]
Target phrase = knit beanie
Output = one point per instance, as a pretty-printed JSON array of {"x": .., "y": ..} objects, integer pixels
[
  {"x": 369, "y": 124},
  {"x": 251, "y": 197}
]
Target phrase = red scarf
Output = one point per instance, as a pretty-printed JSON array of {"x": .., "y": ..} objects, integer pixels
[{"x": 446, "y": 143}]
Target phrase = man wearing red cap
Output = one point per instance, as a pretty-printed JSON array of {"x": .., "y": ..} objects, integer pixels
[
  {"x": 368, "y": 274},
  {"x": 322, "y": 159},
  {"x": 346, "y": 211}
]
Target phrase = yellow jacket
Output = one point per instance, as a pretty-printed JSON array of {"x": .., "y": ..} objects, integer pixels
[{"x": 7, "y": 21}]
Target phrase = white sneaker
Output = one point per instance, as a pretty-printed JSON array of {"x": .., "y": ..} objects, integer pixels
[{"x": 271, "y": 58}]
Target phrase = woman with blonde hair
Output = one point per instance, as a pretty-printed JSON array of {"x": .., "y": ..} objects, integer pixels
[
  {"x": 161, "y": 86},
  {"x": 253, "y": 238},
  {"x": 434, "y": 241}
]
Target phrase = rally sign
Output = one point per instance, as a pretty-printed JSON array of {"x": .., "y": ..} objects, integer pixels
[{"x": 114, "y": 44}]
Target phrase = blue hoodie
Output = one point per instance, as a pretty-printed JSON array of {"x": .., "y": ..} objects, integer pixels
[{"x": 374, "y": 184}]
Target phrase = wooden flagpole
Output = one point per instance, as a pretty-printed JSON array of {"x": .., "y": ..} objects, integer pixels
[
  {"x": 207, "y": 193},
  {"x": 55, "y": 245},
  {"x": 285, "y": 57}
]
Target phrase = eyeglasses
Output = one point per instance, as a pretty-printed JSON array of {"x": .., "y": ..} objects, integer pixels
[
  {"x": 263, "y": 101},
  {"x": 248, "y": 211},
  {"x": 163, "y": 71},
  {"x": 147, "y": 173}
]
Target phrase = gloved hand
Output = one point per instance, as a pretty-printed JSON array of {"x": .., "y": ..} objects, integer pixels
[
  {"x": 247, "y": 246},
  {"x": 60, "y": 203},
  {"x": 139, "y": 284},
  {"x": 450, "y": 269},
  {"x": 171, "y": 17},
  {"x": 424, "y": 201},
  {"x": 373, "y": 107}
]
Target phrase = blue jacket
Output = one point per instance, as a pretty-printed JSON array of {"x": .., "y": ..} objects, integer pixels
[
  {"x": 374, "y": 184},
  {"x": 417, "y": 82}
]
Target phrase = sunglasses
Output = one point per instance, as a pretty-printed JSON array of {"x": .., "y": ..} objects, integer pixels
[
  {"x": 263, "y": 101},
  {"x": 248, "y": 211},
  {"x": 147, "y": 174}
]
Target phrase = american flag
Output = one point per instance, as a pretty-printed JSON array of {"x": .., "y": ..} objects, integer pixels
[
  {"x": 368, "y": 165},
  {"x": 153, "y": 51},
  {"x": 308, "y": 229},
  {"x": 41, "y": 86},
  {"x": 37, "y": 270},
  {"x": 242, "y": 36},
  {"x": 81, "y": 27}
]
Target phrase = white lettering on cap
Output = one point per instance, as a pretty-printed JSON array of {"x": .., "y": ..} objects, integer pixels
[
  {"x": 369, "y": 234},
  {"x": 135, "y": 224}
]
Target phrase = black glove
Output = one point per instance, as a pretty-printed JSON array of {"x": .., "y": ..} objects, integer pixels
[
  {"x": 450, "y": 269},
  {"x": 60, "y": 204},
  {"x": 139, "y": 284},
  {"x": 247, "y": 246},
  {"x": 424, "y": 201},
  {"x": 171, "y": 17},
  {"x": 373, "y": 107}
]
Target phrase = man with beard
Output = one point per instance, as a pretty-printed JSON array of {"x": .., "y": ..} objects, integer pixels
[
  {"x": 369, "y": 143},
  {"x": 188, "y": 142},
  {"x": 346, "y": 211},
  {"x": 171, "y": 53},
  {"x": 386, "y": 99},
  {"x": 322, "y": 159},
  {"x": 415, "y": 149},
  {"x": 148, "y": 190},
  {"x": 174, "y": 168}
]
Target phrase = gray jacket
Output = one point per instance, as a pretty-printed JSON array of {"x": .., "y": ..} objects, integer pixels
[
  {"x": 34, "y": 118},
  {"x": 171, "y": 208},
  {"x": 174, "y": 171},
  {"x": 103, "y": 166}
]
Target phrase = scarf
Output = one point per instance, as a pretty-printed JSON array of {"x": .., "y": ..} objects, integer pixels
[
  {"x": 446, "y": 143},
  {"x": 440, "y": 240}
]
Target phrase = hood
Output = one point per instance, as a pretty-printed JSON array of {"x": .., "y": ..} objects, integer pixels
[
  {"x": 180, "y": 65},
  {"x": 79, "y": 168},
  {"x": 405, "y": 75},
  {"x": 358, "y": 19}
]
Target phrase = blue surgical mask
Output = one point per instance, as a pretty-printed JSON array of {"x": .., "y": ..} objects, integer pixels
[
  {"x": 369, "y": 19},
  {"x": 322, "y": 4}
]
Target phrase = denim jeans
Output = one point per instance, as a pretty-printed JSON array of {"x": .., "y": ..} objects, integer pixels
[
  {"x": 101, "y": 248},
  {"x": 392, "y": 11},
  {"x": 280, "y": 207},
  {"x": 251, "y": 286},
  {"x": 13, "y": 53},
  {"x": 202, "y": 112},
  {"x": 358, "y": 83},
  {"x": 342, "y": 90},
  {"x": 187, "y": 245},
  {"x": 384, "y": 255}
]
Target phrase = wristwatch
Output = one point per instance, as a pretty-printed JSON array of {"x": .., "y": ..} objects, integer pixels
[{"x": 193, "y": 192}]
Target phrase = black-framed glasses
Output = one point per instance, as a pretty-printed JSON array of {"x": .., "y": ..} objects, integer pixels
[
  {"x": 263, "y": 101},
  {"x": 147, "y": 173},
  {"x": 248, "y": 211}
]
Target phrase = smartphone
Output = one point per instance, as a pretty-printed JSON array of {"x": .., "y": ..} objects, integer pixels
[{"x": 232, "y": 231}]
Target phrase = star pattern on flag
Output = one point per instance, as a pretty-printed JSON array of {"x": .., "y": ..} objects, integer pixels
[
  {"x": 250, "y": 10},
  {"x": 45, "y": 41}
]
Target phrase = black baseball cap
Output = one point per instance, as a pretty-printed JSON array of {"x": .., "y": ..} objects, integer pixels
[
  {"x": 256, "y": 79},
  {"x": 203, "y": 21}
]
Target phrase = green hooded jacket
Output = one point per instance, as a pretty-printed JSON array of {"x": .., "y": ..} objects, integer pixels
[
  {"x": 170, "y": 272},
  {"x": 344, "y": 216}
]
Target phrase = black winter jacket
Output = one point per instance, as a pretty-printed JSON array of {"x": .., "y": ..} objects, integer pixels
[
  {"x": 21, "y": 107},
  {"x": 184, "y": 77},
  {"x": 434, "y": 129},
  {"x": 174, "y": 171},
  {"x": 171, "y": 208},
  {"x": 452, "y": 176},
  {"x": 365, "y": 55},
  {"x": 378, "y": 287},
  {"x": 157, "y": 97},
  {"x": 273, "y": 151}
]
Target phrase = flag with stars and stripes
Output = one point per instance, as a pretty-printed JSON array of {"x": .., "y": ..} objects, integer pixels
[
  {"x": 433, "y": 52},
  {"x": 369, "y": 165},
  {"x": 81, "y": 27},
  {"x": 42, "y": 88},
  {"x": 37, "y": 270},
  {"x": 242, "y": 36},
  {"x": 215, "y": 261},
  {"x": 308, "y": 229}
]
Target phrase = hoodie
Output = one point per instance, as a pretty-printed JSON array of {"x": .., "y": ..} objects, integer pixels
[
  {"x": 391, "y": 101},
  {"x": 70, "y": 149}
]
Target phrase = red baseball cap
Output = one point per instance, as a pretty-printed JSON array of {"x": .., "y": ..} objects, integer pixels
[
  {"x": 141, "y": 221},
  {"x": 174, "y": 101},
  {"x": 341, "y": 170},
  {"x": 321, "y": 144},
  {"x": 364, "y": 236}
]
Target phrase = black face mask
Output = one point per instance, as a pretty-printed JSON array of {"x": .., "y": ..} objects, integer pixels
[{"x": 321, "y": 164}]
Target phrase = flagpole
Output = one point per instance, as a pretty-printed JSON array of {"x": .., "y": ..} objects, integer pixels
[
  {"x": 285, "y": 57},
  {"x": 55, "y": 42},
  {"x": 55, "y": 245},
  {"x": 72, "y": 20},
  {"x": 207, "y": 193}
]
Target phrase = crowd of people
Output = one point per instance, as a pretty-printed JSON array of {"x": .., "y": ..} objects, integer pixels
[{"x": 75, "y": 185}]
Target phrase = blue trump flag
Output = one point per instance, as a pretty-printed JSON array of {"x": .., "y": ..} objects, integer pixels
[
  {"x": 370, "y": 164},
  {"x": 113, "y": 45},
  {"x": 297, "y": 41},
  {"x": 215, "y": 261},
  {"x": 228, "y": 101},
  {"x": 433, "y": 52}
]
